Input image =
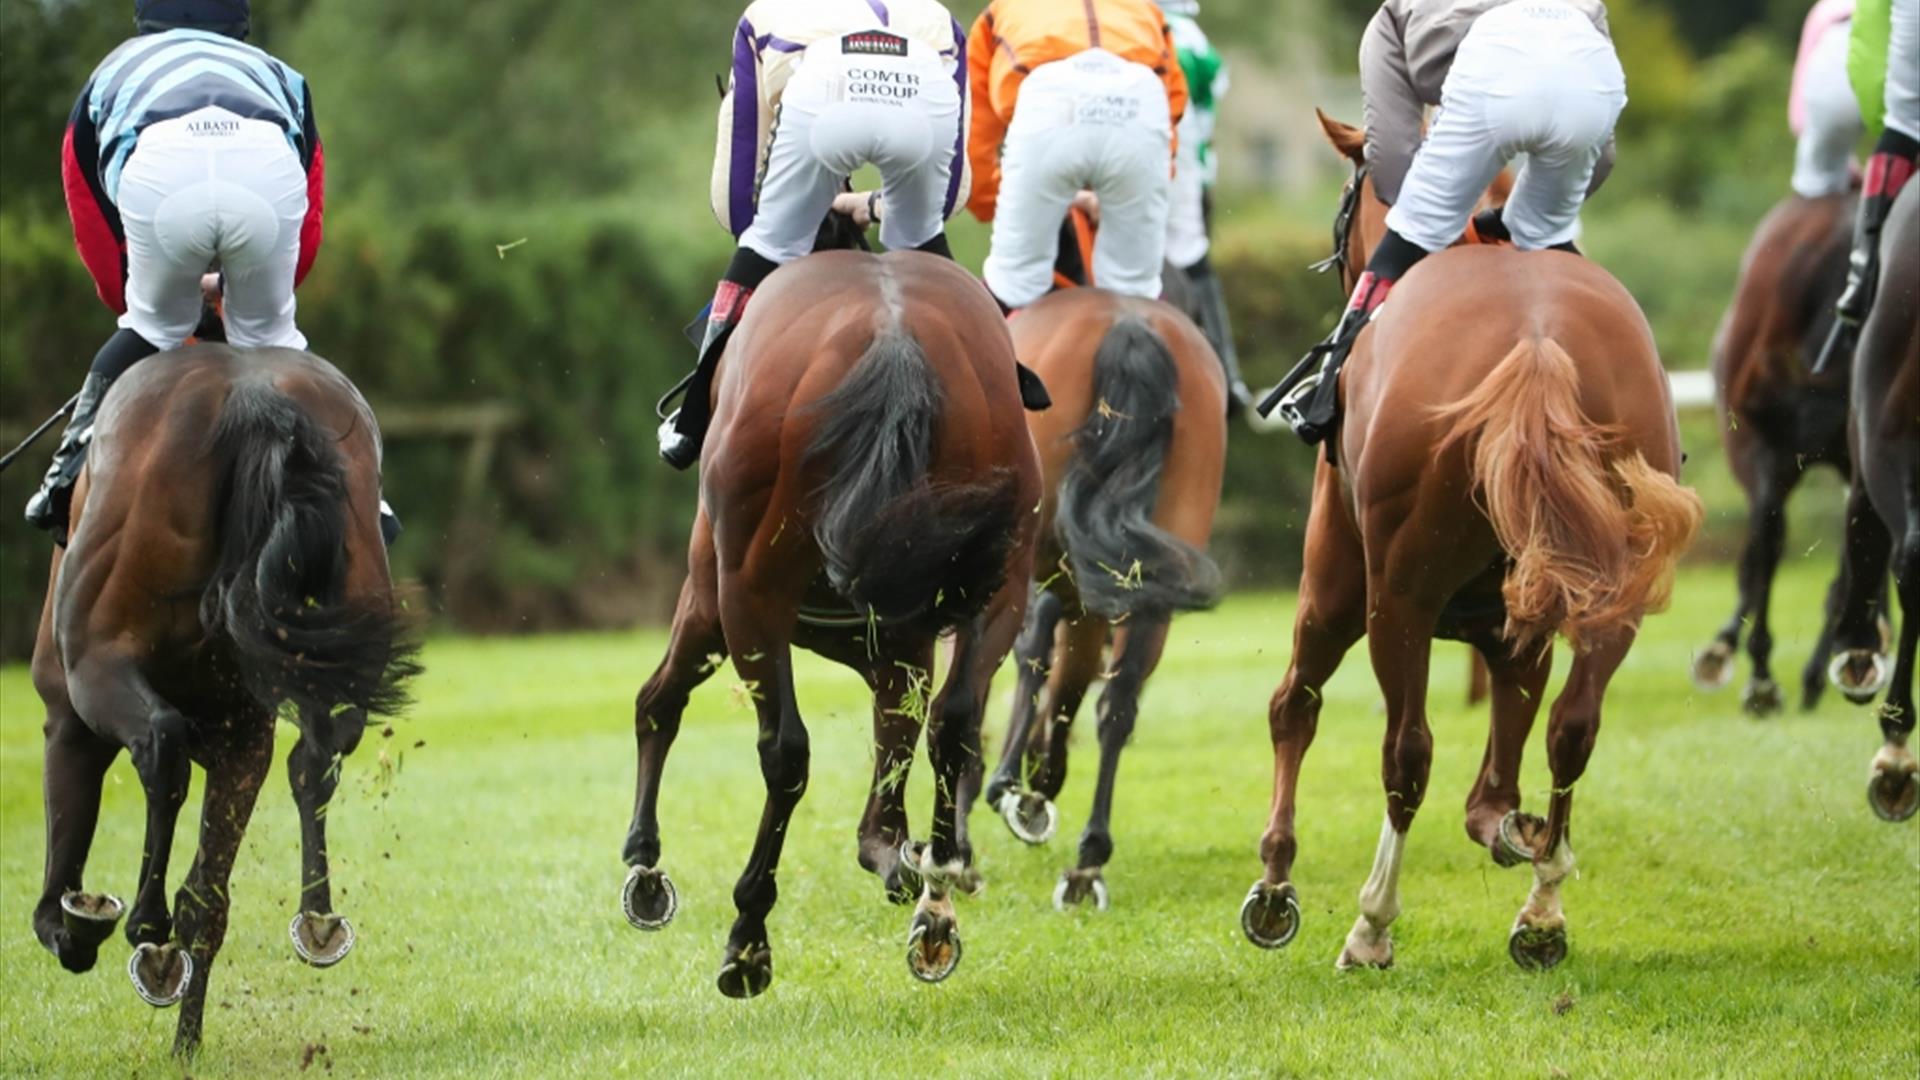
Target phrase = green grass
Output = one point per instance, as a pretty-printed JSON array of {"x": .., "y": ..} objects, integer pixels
[{"x": 1737, "y": 912}]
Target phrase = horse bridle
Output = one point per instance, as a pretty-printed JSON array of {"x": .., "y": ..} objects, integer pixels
[{"x": 1343, "y": 225}]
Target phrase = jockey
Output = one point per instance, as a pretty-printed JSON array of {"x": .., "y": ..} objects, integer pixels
[
  {"x": 1195, "y": 168},
  {"x": 1099, "y": 91},
  {"x": 187, "y": 150},
  {"x": 820, "y": 88},
  {"x": 1538, "y": 77},
  {"x": 1884, "y": 63},
  {"x": 1821, "y": 109}
]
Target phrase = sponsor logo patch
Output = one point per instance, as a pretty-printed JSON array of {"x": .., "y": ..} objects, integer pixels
[{"x": 873, "y": 43}]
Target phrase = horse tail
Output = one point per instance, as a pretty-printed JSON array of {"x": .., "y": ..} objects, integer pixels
[
  {"x": 896, "y": 544},
  {"x": 1123, "y": 563},
  {"x": 1593, "y": 534},
  {"x": 278, "y": 592}
]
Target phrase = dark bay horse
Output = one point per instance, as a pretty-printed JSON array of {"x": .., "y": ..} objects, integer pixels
[
  {"x": 225, "y": 559},
  {"x": 1883, "y": 513},
  {"x": 1505, "y": 472},
  {"x": 867, "y": 485},
  {"x": 1132, "y": 452},
  {"x": 1777, "y": 419}
]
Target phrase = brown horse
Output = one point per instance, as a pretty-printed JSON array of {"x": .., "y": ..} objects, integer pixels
[
  {"x": 225, "y": 558},
  {"x": 1883, "y": 513},
  {"x": 1504, "y": 472},
  {"x": 868, "y": 484},
  {"x": 1777, "y": 419},
  {"x": 1132, "y": 452}
]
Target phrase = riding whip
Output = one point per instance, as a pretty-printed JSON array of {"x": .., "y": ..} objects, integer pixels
[{"x": 39, "y": 431}]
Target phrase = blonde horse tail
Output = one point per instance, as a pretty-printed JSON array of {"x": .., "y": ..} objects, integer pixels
[{"x": 1593, "y": 530}]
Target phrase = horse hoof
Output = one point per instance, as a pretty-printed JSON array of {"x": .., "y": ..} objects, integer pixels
[
  {"x": 1366, "y": 948},
  {"x": 1537, "y": 948},
  {"x": 933, "y": 947},
  {"x": 1859, "y": 675},
  {"x": 1713, "y": 667},
  {"x": 161, "y": 974},
  {"x": 1762, "y": 698},
  {"x": 321, "y": 940},
  {"x": 648, "y": 899},
  {"x": 89, "y": 920},
  {"x": 970, "y": 882},
  {"x": 1270, "y": 916},
  {"x": 1031, "y": 816},
  {"x": 1514, "y": 844},
  {"x": 747, "y": 972},
  {"x": 1075, "y": 886},
  {"x": 1892, "y": 790}
]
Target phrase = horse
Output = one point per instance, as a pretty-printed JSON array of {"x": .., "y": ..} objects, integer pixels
[
  {"x": 224, "y": 559},
  {"x": 1778, "y": 419},
  {"x": 1132, "y": 453},
  {"x": 868, "y": 484},
  {"x": 1883, "y": 511},
  {"x": 1506, "y": 470}
]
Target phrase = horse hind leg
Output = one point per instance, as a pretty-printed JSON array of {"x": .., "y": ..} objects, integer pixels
[
  {"x": 109, "y": 689},
  {"x": 71, "y": 923},
  {"x": 1538, "y": 939},
  {"x": 648, "y": 897},
  {"x": 1494, "y": 819},
  {"x": 1400, "y": 638},
  {"x": 1079, "y": 654},
  {"x": 1029, "y": 815},
  {"x": 1137, "y": 649},
  {"x": 233, "y": 786},
  {"x": 1893, "y": 788},
  {"x": 1758, "y": 564},
  {"x": 1859, "y": 667},
  {"x": 320, "y": 937},
  {"x": 1330, "y": 618},
  {"x": 900, "y": 678}
]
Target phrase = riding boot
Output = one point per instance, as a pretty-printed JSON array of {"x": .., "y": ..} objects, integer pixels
[
  {"x": 1033, "y": 391},
  {"x": 1212, "y": 303},
  {"x": 684, "y": 430},
  {"x": 48, "y": 508},
  {"x": 1888, "y": 170},
  {"x": 1311, "y": 405}
]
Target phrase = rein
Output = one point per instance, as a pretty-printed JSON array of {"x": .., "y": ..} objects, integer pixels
[{"x": 1343, "y": 223}]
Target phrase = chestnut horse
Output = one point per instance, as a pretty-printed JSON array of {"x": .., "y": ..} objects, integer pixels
[
  {"x": 1777, "y": 419},
  {"x": 868, "y": 484},
  {"x": 1883, "y": 514},
  {"x": 225, "y": 558},
  {"x": 1504, "y": 472},
  {"x": 1132, "y": 452}
]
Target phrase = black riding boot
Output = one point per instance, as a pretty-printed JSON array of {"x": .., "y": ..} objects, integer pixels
[
  {"x": 1309, "y": 398},
  {"x": 1888, "y": 170},
  {"x": 684, "y": 429},
  {"x": 1033, "y": 390},
  {"x": 1212, "y": 303},
  {"x": 49, "y": 506}
]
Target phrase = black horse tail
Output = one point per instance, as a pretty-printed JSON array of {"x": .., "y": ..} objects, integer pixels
[
  {"x": 1123, "y": 564},
  {"x": 896, "y": 544},
  {"x": 278, "y": 593}
]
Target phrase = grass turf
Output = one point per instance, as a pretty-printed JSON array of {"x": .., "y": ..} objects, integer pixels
[{"x": 1737, "y": 912}]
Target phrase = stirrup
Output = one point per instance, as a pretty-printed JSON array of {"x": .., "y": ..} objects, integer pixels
[
  {"x": 676, "y": 448},
  {"x": 1291, "y": 406}
]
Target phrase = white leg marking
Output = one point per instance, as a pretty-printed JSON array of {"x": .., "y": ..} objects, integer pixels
[{"x": 1369, "y": 942}]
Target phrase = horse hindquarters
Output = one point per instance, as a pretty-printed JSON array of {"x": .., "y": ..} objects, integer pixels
[
  {"x": 1593, "y": 532},
  {"x": 1593, "y": 541},
  {"x": 1124, "y": 563},
  {"x": 897, "y": 543}
]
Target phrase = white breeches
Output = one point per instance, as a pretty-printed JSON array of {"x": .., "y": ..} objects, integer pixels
[
  {"x": 206, "y": 191},
  {"x": 1091, "y": 121},
  {"x": 839, "y": 112},
  {"x": 1822, "y": 162},
  {"x": 1532, "y": 77}
]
